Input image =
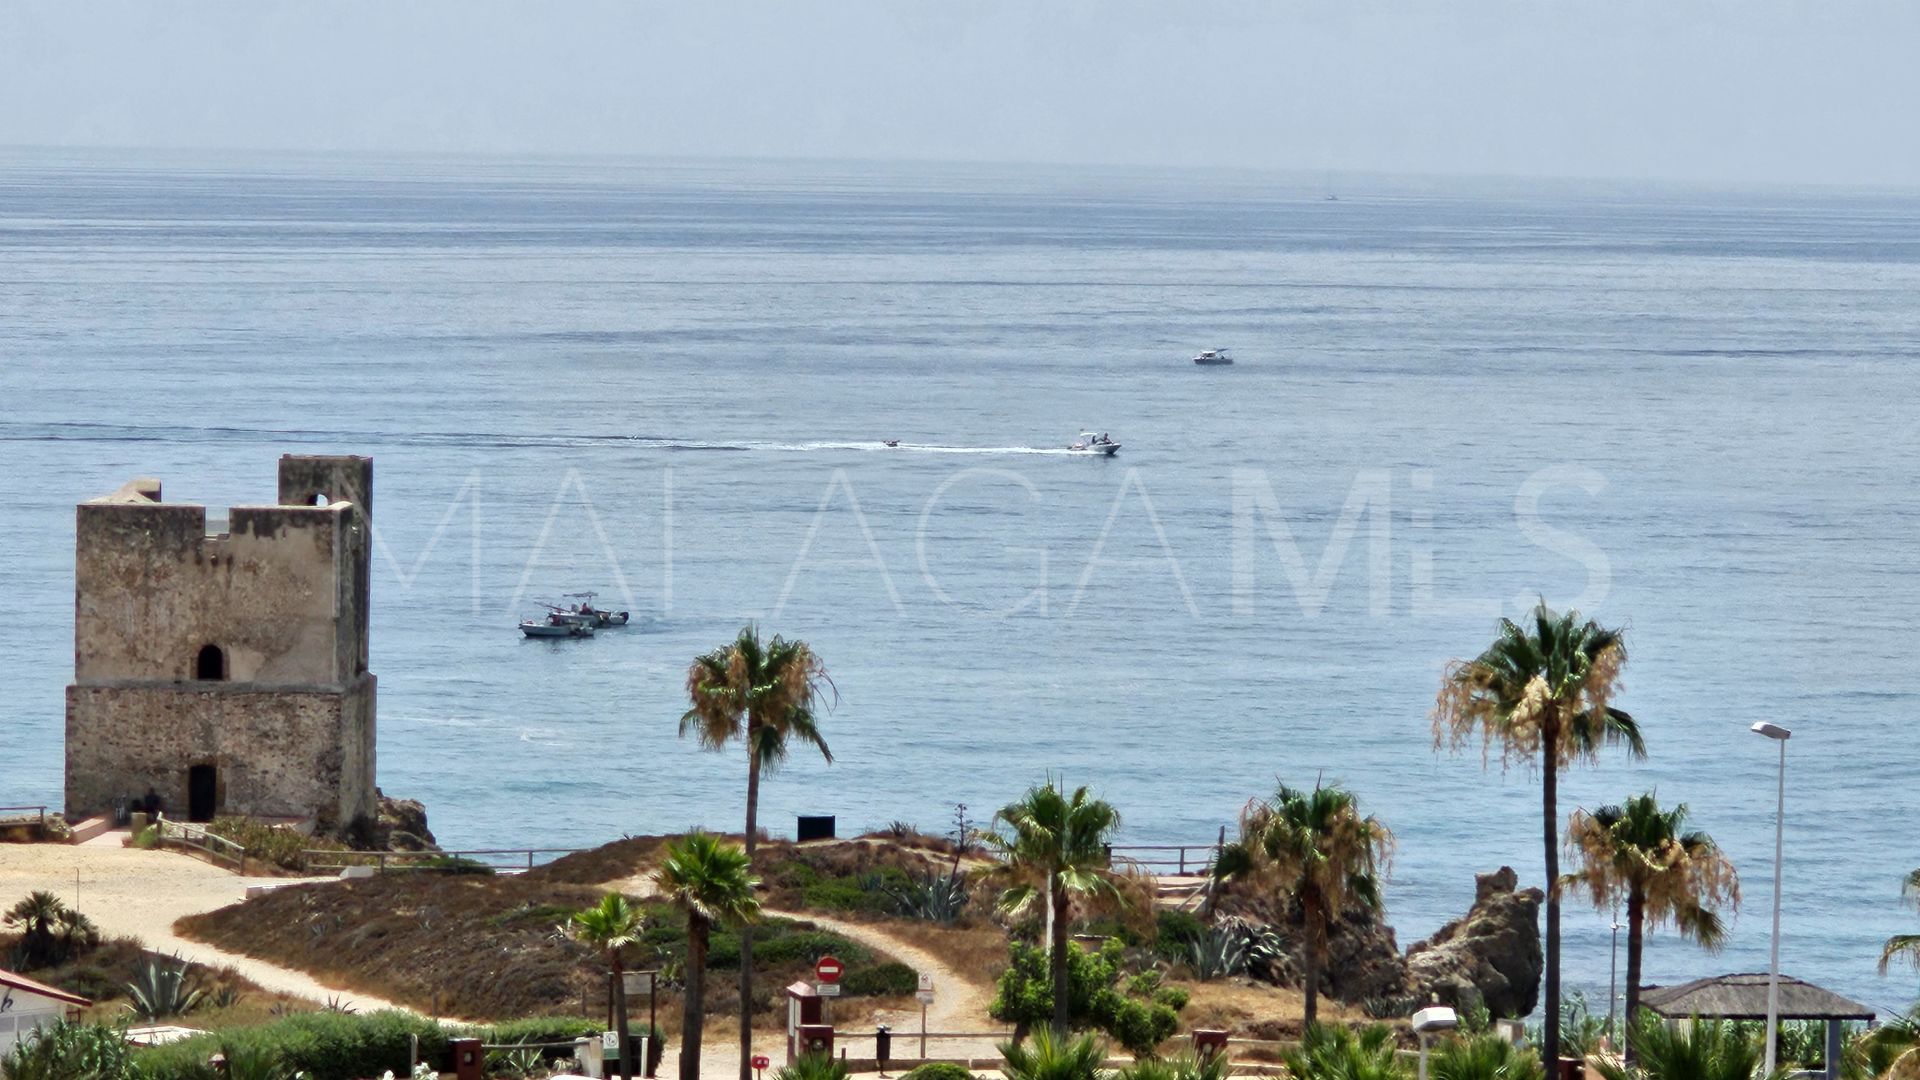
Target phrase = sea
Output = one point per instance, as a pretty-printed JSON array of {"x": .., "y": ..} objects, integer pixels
[{"x": 1686, "y": 411}]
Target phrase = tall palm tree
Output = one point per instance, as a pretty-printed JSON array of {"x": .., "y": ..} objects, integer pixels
[
  {"x": 1545, "y": 695},
  {"x": 765, "y": 694},
  {"x": 712, "y": 881},
  {"x": 1904, "y": 945},
  {"x": 1315, "y": 850},
  {"x": 1054, "y": 846},
  {"x": 1644, "y": 856},
  {"x": 610, "y": 926}
]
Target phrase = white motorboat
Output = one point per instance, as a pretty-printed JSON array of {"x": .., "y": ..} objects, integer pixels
[
  {"x": 1094, "y": 442},
  {"x": 555, "y": 627},
  {"x": 1213, "y": 357}
]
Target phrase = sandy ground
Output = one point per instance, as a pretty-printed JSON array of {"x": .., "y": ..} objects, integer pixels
[{"x": 135, "y": 893}]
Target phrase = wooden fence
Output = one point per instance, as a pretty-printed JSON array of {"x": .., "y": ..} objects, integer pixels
[
  {"x": 217, "y": 849},
  {"x": 22, "y": 815}
]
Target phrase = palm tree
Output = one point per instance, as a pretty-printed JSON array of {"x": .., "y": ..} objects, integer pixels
[
  {"x": 1545, "y": 696},
  {"x": 1699, "y": 1050},
  {"x": 1316, "y": 851},
  {"x": 1054, "y": 846},
  {"x": 610, "y": 926},
  {"x": 1055, "y": 1057},
  {"x": 712, "y": 881},
  {"x": 765, "y": 694},
  {"x": 1644, "y": 856},
  {"x": 1905, "y": 946},
  {"x": 1341, "y": 1053}
]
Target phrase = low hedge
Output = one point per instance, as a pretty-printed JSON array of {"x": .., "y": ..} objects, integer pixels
[
  {"x": 324, "y": 1045},
  {"x": 880, "y": 980}
]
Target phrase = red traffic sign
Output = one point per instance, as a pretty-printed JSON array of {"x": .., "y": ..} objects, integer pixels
[
  {"x": 828, "y": 969},
  {"x": 761, "y": 1061}
]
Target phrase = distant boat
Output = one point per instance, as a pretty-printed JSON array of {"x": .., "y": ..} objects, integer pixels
[
  {"x": 890, "y": 442},
  {"x": 556, "y": 627},
  {"x": 584, "y": 612},
  {"x": 1213, "y": 357},
  {"x": 1093, "y": 442}
]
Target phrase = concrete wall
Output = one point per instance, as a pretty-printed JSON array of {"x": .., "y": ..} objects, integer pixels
[{"x": 276, "y": 753}]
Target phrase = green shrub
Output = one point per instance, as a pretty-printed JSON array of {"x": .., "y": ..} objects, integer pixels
[
  {"x": 814, "y": 1067},
  {"x": 1141, "y": 1017},
  {"x": 271, "y": 843},
  {"x": 804, "y": 945},
  {"x": 1050, "y": 1057},
  {"x": 1175, "y": 932},
  {"x": 452, "y": 864},
  {"x": 882, "y": 980},
  {"x": 1332, "y": 1052},
  {"x": 70, "y": 1051},
  {"x": 939, "y": 1070},
  {"x": 324, "y": 1045},
  {"x": 537, "y": 1029}
]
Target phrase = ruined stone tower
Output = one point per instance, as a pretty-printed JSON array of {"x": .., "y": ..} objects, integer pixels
[{"x": 227, "y": 672}]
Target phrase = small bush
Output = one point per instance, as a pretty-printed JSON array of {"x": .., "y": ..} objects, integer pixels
[
  {"x": 939, "y": 1070},
  {"x": 884, "y": 980},
  {"x": 67, "y": 1051},
  {"x": 533, "y": 1029},
  {"x": 452, "y": 864},
  {"x": 271, "y": 843}
]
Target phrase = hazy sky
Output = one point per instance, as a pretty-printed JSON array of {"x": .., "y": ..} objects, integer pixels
[{"x": 1742, "y": 90}]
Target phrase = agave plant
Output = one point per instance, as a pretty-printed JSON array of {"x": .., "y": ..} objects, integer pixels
[
  {"x": 940, "y": 898},
  {"x": 160, "y": 990},
  {"x": 516, "y": 1061},
  {"x": 1220, "y": 952},
  {"x": 814, "y": 1067},
  {"x": 1050, "y": 1056},
  {"x": 1340, "y": 1053},
  {"x": 1185, "y": 1066}
]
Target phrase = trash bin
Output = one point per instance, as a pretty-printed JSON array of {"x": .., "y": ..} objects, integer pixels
[
  {"x": 882, "y": 1045},
  {"x": 813, "y": 828}
]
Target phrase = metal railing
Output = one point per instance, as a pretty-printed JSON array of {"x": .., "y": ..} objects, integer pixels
[
  {"x": 21, "y": 815},
  {"x": 498, "y": 860},
  {"x": 1185, "y": 858},
  {"x": 196, "y": 838}
]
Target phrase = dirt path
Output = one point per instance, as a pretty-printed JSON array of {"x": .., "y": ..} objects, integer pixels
[
  {"x": 135, "y": 893},
  {"x": 958, "y": 1004}
]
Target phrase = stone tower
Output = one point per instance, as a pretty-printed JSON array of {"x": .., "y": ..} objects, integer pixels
[{"x": 226, "y": 672}]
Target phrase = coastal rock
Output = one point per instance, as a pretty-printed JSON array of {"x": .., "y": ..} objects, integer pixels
[
  {"x": 1363, "y": 958},
  {"x": 401, "y": 825},
  {"x": 1490, "y": 956}
]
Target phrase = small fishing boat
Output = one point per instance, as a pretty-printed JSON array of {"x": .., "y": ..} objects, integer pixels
[
  {"x": 584, "y": 613},
  {"x": 1213, "y": 357},
  {"x": 555, "y": 627},
  {"x": 890, "y": 442},
  {"x": 1093, "y": 442}
]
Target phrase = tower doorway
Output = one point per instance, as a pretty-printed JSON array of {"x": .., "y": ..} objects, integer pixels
[{"x": 203, "y": 792}]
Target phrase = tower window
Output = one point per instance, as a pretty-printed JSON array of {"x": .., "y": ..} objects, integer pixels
[{"x": 211, "y": 664}]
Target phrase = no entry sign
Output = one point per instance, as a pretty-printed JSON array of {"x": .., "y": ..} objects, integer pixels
[{"x": 828, "y": 970}]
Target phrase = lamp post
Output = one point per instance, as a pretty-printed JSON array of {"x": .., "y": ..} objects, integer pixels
[
  {"x": 1613, "y": 972},
  {"x": 1779, "y": 735}
]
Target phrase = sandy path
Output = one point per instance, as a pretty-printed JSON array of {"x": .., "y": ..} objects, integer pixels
[{"x": 127, "y": 891}]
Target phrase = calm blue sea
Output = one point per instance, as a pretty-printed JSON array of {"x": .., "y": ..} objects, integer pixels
[{"x": 1691, "y": 412}]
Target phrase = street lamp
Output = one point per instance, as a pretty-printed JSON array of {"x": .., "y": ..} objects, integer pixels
[{"x": 1779, "y": 735}]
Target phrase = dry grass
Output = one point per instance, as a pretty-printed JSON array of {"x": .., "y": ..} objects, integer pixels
[
  {"x": 1255, "y": 1010},
  {"x": 976, "y": 950}
]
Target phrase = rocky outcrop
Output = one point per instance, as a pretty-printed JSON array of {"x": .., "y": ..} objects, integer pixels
[
  {"x": 399, "y": 825},
  {"x": 1490, "y": 956},
  {"x": 1363, "y": 958}
]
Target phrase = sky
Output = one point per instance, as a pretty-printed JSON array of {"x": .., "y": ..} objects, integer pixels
[{"x": 1742, "y": 91}]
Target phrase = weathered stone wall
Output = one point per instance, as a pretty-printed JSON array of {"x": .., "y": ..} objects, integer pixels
[
  {"x": 284, "y": 594},
  {"x": 283, "y": 752},
  {"x": 151, "y": 589}
]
